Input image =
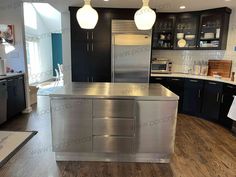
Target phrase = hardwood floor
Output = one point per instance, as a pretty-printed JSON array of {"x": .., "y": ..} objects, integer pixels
[{"x": 203, "y": 149}]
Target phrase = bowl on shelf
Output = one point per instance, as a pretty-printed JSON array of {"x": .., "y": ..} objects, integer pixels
[
  {"x": 180, "y": 35},
  {"x": 189, "y": 37},
  {"x": 209, "y": 35}
]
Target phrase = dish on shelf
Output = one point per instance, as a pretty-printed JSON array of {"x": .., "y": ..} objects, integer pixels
[
  {"x": 182, "y": 43},
  {"x": 189, "y": 37},
  {"x": 180, "y": 35},
  {"x": 209, "y": 35}
]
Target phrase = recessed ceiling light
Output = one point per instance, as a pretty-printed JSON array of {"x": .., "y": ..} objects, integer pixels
[
  {"x": 182, "y": 7},
  {"x": 106, "y": 0}
]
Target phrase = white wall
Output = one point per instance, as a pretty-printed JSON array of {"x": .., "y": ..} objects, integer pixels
[{"x": 183, "y": 60}]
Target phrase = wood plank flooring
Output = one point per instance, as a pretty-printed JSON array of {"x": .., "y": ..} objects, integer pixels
[{"x": 202, "y": 149}]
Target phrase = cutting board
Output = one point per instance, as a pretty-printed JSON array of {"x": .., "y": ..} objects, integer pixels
[{"x": 221, "y": 67}]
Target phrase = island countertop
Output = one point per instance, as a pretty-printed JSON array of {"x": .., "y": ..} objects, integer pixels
[{"x": 115, "y": 90}]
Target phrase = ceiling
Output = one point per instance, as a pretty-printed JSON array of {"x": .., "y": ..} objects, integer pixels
[{"x": 161, "y": 5}]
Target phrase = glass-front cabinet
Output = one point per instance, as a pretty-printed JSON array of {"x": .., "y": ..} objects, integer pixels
[
  {"x": 164, "y": 31},
  {"x": 186, "y": 31},
  {"x": 214, "y": 29}
]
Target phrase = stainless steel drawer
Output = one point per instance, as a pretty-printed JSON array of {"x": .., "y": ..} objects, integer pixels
[
  {"x": 113, "y": 144},
  {"x": 115, "y": 126},
  {"x": 113, "y": 108}
]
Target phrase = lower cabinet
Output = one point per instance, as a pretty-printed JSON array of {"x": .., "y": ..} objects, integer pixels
[
  {"x": 212, "y": 100},
  {"x": 193, "y": 97},
  {"x": 16, "y": 102},
  {"x": 226, "y": 101},
  {"x": 3, "y": 101},
  {"x": 71, "y": 125}
]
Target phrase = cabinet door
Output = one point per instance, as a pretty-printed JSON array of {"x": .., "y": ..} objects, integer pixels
[
  {"x": 186, "y": 29},
  {"x": 176, "y": 85},
  {"x": 3, "y": 101},
  {"x": 214, "y": 25},
  {"x": 211, "y": 100},
  {"x": 80, "y": 61},
  {"x": 193, "y": 96},
  {"x": 226, "y": 101},
  {"x": 20, "y": 94},
  {"x": 11, "y": 103},
  {"x": 163, "y": 33},
  {"x": 71, "y": 125}
]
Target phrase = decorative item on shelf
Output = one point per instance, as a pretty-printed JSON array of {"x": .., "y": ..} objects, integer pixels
[
  {"x": 218, "y": 33},
  {"x": 145, "y": 17},
  {"x": 232, "y": 76},
  {"x": 180, "y": 36},
  {"x": 182, "y": 43},
  {"x": 190, "y": 37},
  {"x": 209, "y": 36},
  {"x": 87, "y": 16}
]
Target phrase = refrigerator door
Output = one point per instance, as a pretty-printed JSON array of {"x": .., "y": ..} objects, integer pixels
[{"x": 131, "y": 56}]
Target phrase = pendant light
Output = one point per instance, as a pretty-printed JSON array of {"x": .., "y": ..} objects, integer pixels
[
  {"x": 87, "y": 16},
  {"x": 145, "y": 17}
]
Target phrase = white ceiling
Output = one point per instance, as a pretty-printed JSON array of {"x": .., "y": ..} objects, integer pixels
[{"x": 161, "y": 5}]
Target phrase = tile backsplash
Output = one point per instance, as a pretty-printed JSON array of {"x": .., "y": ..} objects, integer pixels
[{"x": 183, "y": 60}]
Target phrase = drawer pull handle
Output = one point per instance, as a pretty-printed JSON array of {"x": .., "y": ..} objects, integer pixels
[
  {"x": 222, "y": 99},
  {"x": 159, "y": 79},
  {"x": 193, "y": 81},
  {"x": 199, "y": 93},
  {"x": 230, "y": 86},
  {"x": 175, "y": 79},
  {"x": 212, "y": 83}
]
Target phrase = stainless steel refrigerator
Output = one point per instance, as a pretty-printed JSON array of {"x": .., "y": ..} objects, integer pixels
[{"x": 131, "y": 52}]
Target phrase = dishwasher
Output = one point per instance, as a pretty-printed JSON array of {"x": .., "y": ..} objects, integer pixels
[{"x": 3, "y": 101}]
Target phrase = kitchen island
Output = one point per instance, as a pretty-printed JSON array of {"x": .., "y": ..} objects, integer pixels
[{"x": 113, "y": 122}]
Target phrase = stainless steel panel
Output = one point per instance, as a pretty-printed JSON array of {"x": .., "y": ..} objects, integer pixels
[
  {"x": 155, "y": 126},
  {"x": 131, "y": 52},
  {"x": 118, "y": 127},
  {"x": 113, "y": 108},
  {"x": 3, "y": 101},
  {"x": 71, "y": 125},
  {"x": 112, "y": 144}
]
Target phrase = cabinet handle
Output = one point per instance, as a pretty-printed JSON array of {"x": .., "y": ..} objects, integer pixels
[
  {"x": 87, "y": 79},
  {"x": 212, "y": 83},
  {"x": 222, "y": 98},
  {"x": 199, "y": 93},
  {"x": 92, "y": 46},
  {"x": 92, "y": 79},
  {"x": 175, "y": 79},
  {"x": 159, "y": 79},
  {"x": 230, "y": 86},
  {"x": 87, "y": 47},
  {"x": 92, "y": 35},
  {"x": 217, "y": 97},
  {"x": 9, "y": 80},
  {"x": 87, "y": 35},
  {"x": 193, "y": 81}
]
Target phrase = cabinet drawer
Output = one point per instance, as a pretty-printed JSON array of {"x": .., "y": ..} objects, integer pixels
[
  {"x": 118, "y": 127},
  {"x": 113, "y": 108},
  {"x": 112, "y": 144}
]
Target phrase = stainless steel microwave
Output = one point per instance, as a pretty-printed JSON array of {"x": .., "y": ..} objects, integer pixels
[{"x": 160, "y": 66}]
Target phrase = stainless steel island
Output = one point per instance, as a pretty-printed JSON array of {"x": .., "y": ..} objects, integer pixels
[{"x": 113, "y": 122}]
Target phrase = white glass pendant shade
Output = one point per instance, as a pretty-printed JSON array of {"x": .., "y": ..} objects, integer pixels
[
  {"x": 145, "y": 17},
  {"x": 87, "y": 17}
]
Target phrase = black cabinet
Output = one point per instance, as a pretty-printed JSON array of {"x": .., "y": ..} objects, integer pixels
[
  {"x": 3, "y": 101},
  {"x": 16, "y": 102},
  {"x": 198, "y": 30},
  {"x": 186, "y": 31},
  {"x": 159, "y": 80},
  {"x": 212, "y": 100},
  {"x": 226, "y": 101},
  {"x": 176, "y": 85},
  {"x": 163, "y": 33},
  {"x": 193, "y": 96},
  {"x": 214, "y": 25}
]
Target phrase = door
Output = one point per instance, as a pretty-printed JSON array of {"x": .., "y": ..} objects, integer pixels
[
  {"x": 193, "y": 96},
  {"x": 131, "y": 58},
  {"x": 71, "y": 125},
  {"x": 211, "y": 100},
  {"x": 56, "y": 51},
  {"x": 226, "y": 101},
  {"x": 3, "y": 101},
  {"x": 176, "y": 85}
]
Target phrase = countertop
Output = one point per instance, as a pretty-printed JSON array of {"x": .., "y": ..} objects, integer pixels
[
  {"x": 9, "y": 75},
  {"x": 116, "y": 90},
  {"x": 190, "y": 76}
]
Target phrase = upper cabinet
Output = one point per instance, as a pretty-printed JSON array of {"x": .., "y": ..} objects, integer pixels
[
  {"x": 213, "y": 29},
  {"x": 201, "y": 30},
  {"x": 186, "y": 31},
  {"x": 163, "y": 33}
]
